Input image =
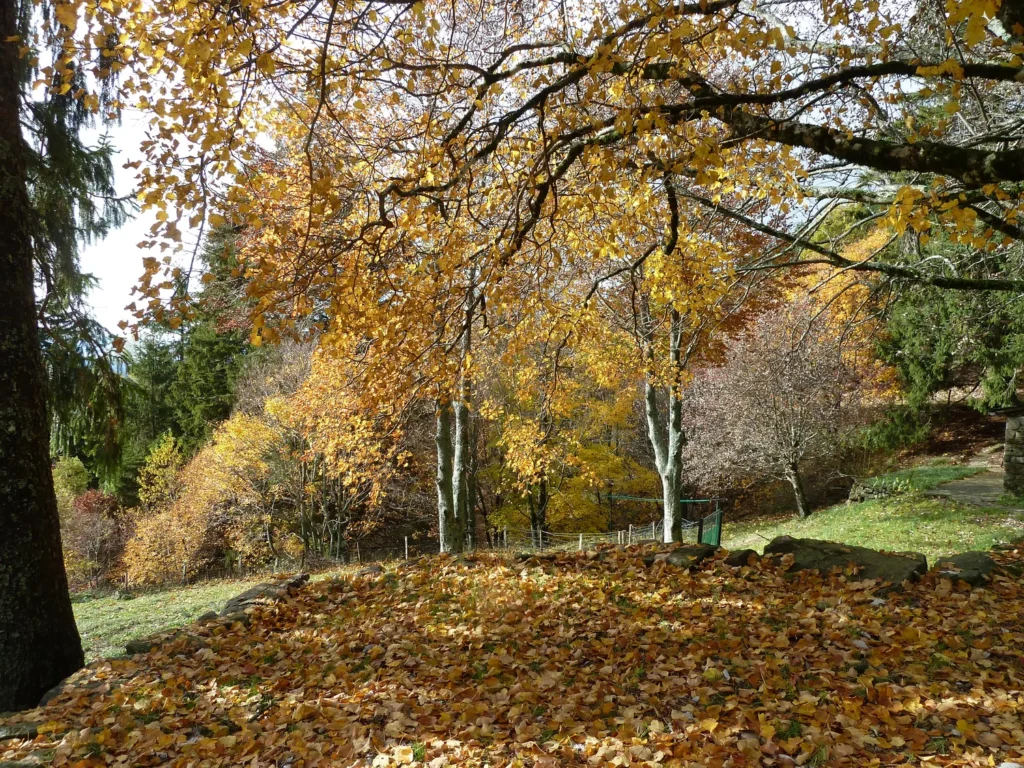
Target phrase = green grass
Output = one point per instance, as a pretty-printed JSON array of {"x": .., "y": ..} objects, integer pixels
[
  {"x": 934, "y": 527},
  {"x": 924, "y": 477},
  {"x": 106, "y": 624}
]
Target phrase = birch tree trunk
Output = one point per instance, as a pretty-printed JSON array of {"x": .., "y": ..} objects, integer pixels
[
  {"x": 539, "y": 511},
  {"x": 39, "y": 643},
  {"x": 447, "y": 520},
  {"x": 462, "y": 464}
]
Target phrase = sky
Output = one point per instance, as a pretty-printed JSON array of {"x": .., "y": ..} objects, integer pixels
[{"x": 116, "y": 261}]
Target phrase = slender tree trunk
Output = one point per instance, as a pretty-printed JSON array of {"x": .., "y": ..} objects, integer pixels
[
  {"x": 447, "y": 522},
  {"x": 460, "y": 470},
  {"x": 471, "y": 485},
  {"x": 539, "y": 511},
  {"x": 803, "y": 509},
  {"x": 39, "y": 643},
  {"x": 463, "y": 465}
]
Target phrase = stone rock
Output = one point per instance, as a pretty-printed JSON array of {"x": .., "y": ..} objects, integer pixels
[
  {"x": 123, "y": 595},
  {"x": 20, "y": 763},
  {"x": 269, "y": 591},
  {"x": 739, "y": 558},
  {"x": 690, "y": 555},
  {"x": 817, "y": 555},
  {"x": 685, "y": 556},
  {"x": 208, "y": 616},
  {"x": 1010, "y": 765},
  {"x": 141, "y": 645},
  {"x": 973, "y": 567},
  {"x": 1010, "y": 547},
  {"x": 19, "y": 731},
  {"x": 864, "y": 492},
  {"x": 240, "y": 616}
]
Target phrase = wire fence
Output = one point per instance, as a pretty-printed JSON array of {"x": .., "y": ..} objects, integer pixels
[{"x": 707, "y": 530}]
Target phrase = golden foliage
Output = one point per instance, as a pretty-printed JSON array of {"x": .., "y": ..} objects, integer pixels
[{"x": 572, "y": 659}]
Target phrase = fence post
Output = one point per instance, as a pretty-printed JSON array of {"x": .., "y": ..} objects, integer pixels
[
  {"x": 581, "y": 542},
  {"x": 630, "y": 533},
  {"x": 504, "y": 537},
  {"x": 406, "y": 547},
  {"x": 359, "y": 557},
  {"x": 700, "y": 531}
]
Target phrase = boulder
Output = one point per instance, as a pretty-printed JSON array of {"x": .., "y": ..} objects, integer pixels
[
  {"x": 685, "y": 556},
  {"x": 740, "y": 557},
  {"x": 370, "y": 570},
  {"x": 234, "y": 610},
  {"x": 817, "y": 555},
  {"x": 269, "y": 591},
  {"x": 141, "y": 645},
  {"x": 19, "y": 731},
  {"x": 973, "y": 567},
  {"x": 81, "y": 680}
]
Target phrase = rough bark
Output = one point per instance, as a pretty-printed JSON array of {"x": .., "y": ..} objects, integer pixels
[
  {"x": 447, "y": 522},
  {"x": 39, "y": 643},
  {"x": 969, "y": 165},
  {"x": 1013, "y": 455}
]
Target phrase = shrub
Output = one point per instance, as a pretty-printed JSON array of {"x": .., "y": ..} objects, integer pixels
[
  {"x": 93, "y": 533},
  {"x": 70, "y": 480}
]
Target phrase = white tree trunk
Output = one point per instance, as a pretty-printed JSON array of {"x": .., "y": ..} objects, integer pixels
[
  {"x": 666, "y": 434},
  {"x": 448, "y": 532},
  {"x": 463, "y": 434}
]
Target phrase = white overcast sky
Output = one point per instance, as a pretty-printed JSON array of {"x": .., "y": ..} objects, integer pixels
[{"x": 117, "y": 260}]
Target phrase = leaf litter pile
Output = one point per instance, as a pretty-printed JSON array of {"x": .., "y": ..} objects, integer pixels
[{"x": 568, "y": 660}]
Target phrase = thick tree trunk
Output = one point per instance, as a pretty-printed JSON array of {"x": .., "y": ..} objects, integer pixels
[
  {"x": 450, "y": 536},
  {"x": 673, "y": 513},
  {"x": 666, "y": 434},
  {"x": 803, "y": 509},
  {"x": 39, "y": 643}
]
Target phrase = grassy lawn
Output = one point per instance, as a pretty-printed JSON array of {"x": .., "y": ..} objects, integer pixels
[
  {"x": 923, "y": 477},
  {"x": 934, "y": 527},
  {"x": 107, "y": 624}
]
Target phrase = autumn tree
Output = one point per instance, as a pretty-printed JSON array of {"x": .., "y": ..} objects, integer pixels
[
  {"x": 420, "y": 149},
  {"x": 785, "y": 399},
  {"x": 39, "y": 643}
]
